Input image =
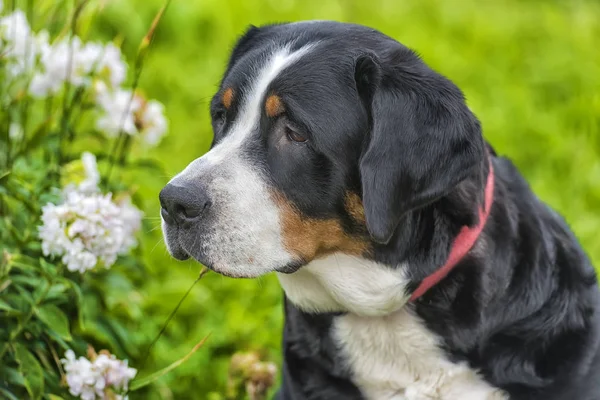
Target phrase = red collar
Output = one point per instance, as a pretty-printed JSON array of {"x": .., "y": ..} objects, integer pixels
[{"x": 463, "y": 242}]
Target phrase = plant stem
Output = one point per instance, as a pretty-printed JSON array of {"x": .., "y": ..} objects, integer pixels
[
  {"x": 118, "y": 148},
  {"x": 22, "y": 325},
  {"x": 202, "y": 273},
  {"x": 66, "y": 109}
]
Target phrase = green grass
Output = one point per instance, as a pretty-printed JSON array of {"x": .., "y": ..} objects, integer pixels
[{"x": 530, "y": 71}]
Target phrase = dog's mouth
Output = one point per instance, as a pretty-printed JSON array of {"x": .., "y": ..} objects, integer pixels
[
  {"x": 292, "y": 267},
  {"x": 173, "y": 244},
  {"x": 180, "y": 250}
]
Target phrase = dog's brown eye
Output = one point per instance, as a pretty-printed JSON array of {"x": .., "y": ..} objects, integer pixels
[{"x": 294, "y": 136}]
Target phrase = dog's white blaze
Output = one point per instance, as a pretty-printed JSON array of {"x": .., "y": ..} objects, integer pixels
[
  {"x": 389, "y": 350},
  {"x": 246, "y": 239},
  {"x": 249, "y": 116}
]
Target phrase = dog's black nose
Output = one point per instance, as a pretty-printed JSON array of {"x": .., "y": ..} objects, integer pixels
[{"x": 182, "y": 204}]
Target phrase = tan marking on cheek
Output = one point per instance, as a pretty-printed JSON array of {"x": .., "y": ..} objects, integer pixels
[
  {"x": 227, "y": 98},
  {"x": 311, "y": 238},
  {"x": 355, "y": 208},
  {"x": 274, "y": 106}
]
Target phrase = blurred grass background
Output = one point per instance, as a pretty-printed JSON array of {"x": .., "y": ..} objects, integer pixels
[{"x": 530, "y": 71}]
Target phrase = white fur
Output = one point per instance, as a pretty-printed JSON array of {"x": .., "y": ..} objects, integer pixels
[
  {"x": 390, "y": 352},
  {"x": 245, "y": 240},
  {"x": 346, "y": 283}
]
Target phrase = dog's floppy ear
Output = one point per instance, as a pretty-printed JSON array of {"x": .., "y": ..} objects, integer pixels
[{"x": 423, "y": 139}]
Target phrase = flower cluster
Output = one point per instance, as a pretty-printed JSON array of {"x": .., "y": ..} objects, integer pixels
[
  {"x": 102, "y": 377},
  {"x": 18, "y": 45},
  {"x": 93, "y": 67},
  {"x": 130, "y": 113},
  {"x": 78, "y": 63},
  {"x": 88, "y": 228},
  {"x": 249, "y": 371}
]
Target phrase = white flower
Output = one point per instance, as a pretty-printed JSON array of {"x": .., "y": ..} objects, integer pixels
[
  {"x": 153, "y": 122},
  {"x": 132, "y": 115},
  {"x": 15, "y": 131},
  {"x": 17, "y": 44},
  {"x": 71, "y": 60},
  {"x": 91, "y": 180},
  {"x": 91, "y": 379},
  {"x": 118, "y": 108},
  {"x": 132, "y": 221},
  {"x": 92, "y": 176},
  {"x": 112, "y": 64},
  {"x": 61, "y": 61},
  {"x": 116, "y": 373},
  {"x": 81, "y": 376},
  {"x": 87, "y": 230}
]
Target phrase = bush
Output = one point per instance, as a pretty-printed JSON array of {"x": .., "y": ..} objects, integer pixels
[{"x": 68, "y": 232}]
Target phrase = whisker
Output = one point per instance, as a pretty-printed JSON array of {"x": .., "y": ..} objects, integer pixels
[
  {"x": 153, "y": 229},
  {"x": 154, "y": 248}
]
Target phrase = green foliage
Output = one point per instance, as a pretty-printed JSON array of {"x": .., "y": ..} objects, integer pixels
[
  {"x": 530, "y": 70},
  {"x": 45, "y": 307}
]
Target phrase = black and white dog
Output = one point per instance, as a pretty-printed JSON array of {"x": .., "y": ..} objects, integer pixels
[{"x": 416, "y": 263}]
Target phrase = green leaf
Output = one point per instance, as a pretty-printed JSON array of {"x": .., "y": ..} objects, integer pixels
[
  {"x": 37, "y": 136},
  {"x": 4, "y": 174},
  {"x": 24, "y": 294},
  {"x": 79, "y": 302},
  {"x": 8, "y": 394},
  {"x": 17, "y": 302},
  {"x": 54, "y": 397},
  {"x": 4, "y": 306},
  {"x": 48, "y": 268},
  {"x": 137, "y": 384},
  {"x": 58, "y": 339},
  {"x": 11, "y": 375},
  {"x": 55, "y": 319},
  {"x": 31, "y": 371},
  {"x": 57, "y": 291},
  {"x": 25, "y": 280},
  {"x": 41, "y": 291},
  {"x": 24, "y": 266}
]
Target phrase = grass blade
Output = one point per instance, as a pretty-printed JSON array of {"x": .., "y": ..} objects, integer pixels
[{"x": 145, "y": 381}]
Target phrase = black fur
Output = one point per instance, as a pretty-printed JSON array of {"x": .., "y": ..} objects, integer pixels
[{"x": 522, "y": 307}]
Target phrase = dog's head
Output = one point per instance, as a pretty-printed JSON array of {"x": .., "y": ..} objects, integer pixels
[{"x": 325, "y": 136}]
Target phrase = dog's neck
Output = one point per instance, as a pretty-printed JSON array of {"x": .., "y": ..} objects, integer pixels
[
  {"x": 403, "y": 271},
  {"x": 463, "y": 243},
  {"x": 344, "y": 283}
]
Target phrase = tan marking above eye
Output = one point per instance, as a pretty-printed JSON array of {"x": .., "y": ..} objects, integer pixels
[
  {"x": 227, "y": 97},
  {"x": 274, "y": 106},
  {"x": 311, "y": 238}
]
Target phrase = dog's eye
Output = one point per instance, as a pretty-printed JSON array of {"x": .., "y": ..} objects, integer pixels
[{"x": 294, "y": 136}]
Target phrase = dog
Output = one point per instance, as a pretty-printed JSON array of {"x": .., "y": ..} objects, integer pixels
[{"x": 416, "y": 262}]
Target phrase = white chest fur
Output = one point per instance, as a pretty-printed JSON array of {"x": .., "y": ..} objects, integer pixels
[
  {"x": 397, "y": 357},
  {"x": 390, "y": 352}
]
